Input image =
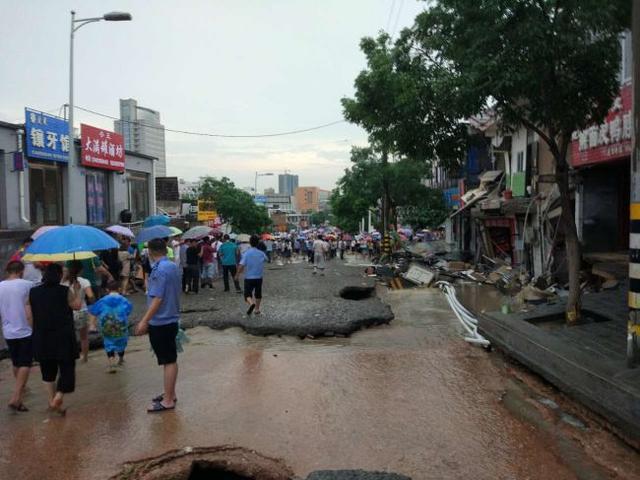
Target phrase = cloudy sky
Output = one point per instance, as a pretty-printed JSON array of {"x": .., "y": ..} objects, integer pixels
[{"x": 221, "y": 66}]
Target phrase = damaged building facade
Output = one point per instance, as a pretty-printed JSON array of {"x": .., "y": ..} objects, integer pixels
[{"x": 505, "y": 204}]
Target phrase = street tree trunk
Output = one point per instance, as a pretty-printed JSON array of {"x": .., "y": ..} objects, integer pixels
[
  {"x": 385, "y": 192},
  {"x": 559, "y": 145},
  {"x": 571, "y": 241},
  {"x": 572, "y": 249}
]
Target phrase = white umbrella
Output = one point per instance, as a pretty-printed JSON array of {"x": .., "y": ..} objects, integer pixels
[{"x": 120, "y": 230}]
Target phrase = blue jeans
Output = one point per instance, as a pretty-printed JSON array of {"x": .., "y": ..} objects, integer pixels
[{"x": 208, "y": 271}]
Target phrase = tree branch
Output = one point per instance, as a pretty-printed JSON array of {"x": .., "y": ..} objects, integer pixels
[{"x": 551, "y": 142}]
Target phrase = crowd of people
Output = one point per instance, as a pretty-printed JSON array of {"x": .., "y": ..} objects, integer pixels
[{"x": 48, "y": 310}]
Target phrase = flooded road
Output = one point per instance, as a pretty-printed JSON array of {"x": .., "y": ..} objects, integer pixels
[{"x": 410, "y": 398}]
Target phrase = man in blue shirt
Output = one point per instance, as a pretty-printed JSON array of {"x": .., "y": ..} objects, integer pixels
[
  {"x": 252, "y": 263},
  {"x": 161, "y": 320},
  {"x": 228, "y": 253}
]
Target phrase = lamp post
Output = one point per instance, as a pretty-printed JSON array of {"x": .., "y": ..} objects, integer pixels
[
  {"x": 255, "y": 183},
  {"x": 75, "y": 25}
]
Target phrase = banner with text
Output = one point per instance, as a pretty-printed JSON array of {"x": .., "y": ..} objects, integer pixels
[
  {"x": 101, "y": 148},
  {"x": 608, "y": 141},
  {"x": 47, "y": 136}
]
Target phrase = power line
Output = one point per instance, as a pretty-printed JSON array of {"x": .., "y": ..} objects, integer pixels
[
  {"x": 217, "y": 135},
  {"x": 395, "y": 25},
  {"x": 393, "y": 5}
]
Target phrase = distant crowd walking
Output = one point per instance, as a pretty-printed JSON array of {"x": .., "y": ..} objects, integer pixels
[{"x": 50, "y": 308}]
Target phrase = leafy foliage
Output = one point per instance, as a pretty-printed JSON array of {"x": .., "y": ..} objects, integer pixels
[
  {"x": 360, "y": 189},
  {"x": 548, "y": 64},
  {"x": 235, "y": 206},
  {"x": 404, "y": 103},
  {"x": 319, "y": 218}
]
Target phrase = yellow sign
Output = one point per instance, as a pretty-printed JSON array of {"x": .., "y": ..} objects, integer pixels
[{"x": 206, "y": 211}]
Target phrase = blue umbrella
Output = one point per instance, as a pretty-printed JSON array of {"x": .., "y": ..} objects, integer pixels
[
  {"x": 151, "y": 233},
  {"x": 154, "y": 220},
  {"x": 71, "y": 242}
]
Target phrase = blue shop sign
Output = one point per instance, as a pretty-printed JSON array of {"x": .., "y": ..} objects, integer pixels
[
  {"x": 260, "y": 199},
  {"x": 47, "y": 136},
  {"x": 451, "y": 197}
]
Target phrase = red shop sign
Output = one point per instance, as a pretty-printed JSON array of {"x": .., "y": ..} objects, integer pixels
[
  {"x": 101, "y": 148},
  {"x": 608, "y": 141}
]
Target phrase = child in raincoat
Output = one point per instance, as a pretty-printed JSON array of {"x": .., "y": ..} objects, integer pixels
[{"x": 112, "y": 315}]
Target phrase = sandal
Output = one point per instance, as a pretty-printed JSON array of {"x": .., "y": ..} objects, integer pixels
[
  {"x": 18, "y": 408},
  {"x": 159, "y": 407},
  {"x": 251, "y": 307},
  {"x": 160, "y": 398}
]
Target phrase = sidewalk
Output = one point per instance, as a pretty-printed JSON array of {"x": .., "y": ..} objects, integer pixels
[{"x": 587, "y": 361}]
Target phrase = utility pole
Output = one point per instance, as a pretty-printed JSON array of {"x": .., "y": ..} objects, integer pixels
[{"x": 633, "y": 330}]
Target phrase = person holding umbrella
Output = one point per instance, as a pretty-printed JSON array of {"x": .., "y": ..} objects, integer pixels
[
  {"x": 54, "y": 336},
  {"x": 161, "y": 321}
]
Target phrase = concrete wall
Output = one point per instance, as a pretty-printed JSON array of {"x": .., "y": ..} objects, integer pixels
[{"x": 10, "y": 214}]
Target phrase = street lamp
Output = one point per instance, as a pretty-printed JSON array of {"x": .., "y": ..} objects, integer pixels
[
  {"x": 255, "y": 183},
  {"x": 75, "y": 25}
]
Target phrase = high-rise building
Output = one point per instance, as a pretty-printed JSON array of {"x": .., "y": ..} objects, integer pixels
[
  {"x": 287, "y": 184},
  {"x": 142, "y": 132}
]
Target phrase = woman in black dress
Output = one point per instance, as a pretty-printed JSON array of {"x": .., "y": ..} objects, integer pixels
[{"x": 54, "y": 337}]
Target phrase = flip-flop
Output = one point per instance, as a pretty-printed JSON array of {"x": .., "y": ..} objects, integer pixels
[
  {"x": 258, "y": 313},
  {"x": 159, "y": 407},
  {"x": 251, "y": 307},
  {"x": 160, "y": 398},
  {"x": 18, "y": 408}
]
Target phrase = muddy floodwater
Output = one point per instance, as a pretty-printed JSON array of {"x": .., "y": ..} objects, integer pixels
[{"x": 411, "y": 397}]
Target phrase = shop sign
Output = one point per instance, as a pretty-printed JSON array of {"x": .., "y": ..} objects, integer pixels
[
  {"x": 101, "y": 148},
  {"x": 609, "y": 141},
  {"x": 451, "y": 197},
  {"x": 47, "y": 136},
  {"x": 206, "y": 211},
  {"x": 260, "y": 199}
]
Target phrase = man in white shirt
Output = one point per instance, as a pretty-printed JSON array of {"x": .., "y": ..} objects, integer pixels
[
  {"x": 320, "y": 250},
  {"x": 16, "y": 328}
]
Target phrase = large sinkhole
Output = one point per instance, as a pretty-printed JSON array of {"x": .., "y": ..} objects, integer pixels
[
  {"x": 357, "y": 293},
  {"x": 206, "y": 463}
]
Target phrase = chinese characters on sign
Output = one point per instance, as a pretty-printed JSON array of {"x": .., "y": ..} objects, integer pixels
[
  {"x": 206, "y": 211},
  {"x": 47, "y": 136},
  {"x": 101, "y": 148},
  {"x": 609, "y": 141}
]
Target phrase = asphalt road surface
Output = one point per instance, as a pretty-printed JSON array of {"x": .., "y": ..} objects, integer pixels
[{"x": 410, "y": 398}]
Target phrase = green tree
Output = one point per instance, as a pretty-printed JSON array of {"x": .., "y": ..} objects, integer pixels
[
  {"x": 319, "y": 218},
  {"x": 549, "y": 65},
  {"x": 428, "y": 210},
  {"x": 400, "y": 100},
  {"x": 235, "y": 206},
  {"x": 360, "y": 189}
]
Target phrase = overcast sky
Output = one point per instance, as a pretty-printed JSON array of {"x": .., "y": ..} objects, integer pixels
[{"x": 220, "y": 66}]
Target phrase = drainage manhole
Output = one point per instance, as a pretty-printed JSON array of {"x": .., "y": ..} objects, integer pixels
[
  {"x": 357, "y": 293},
  {"x": 207, "y": 463}
]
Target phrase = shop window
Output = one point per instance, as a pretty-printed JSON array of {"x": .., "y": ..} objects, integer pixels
[
  {"x": 97, "y": 198},
  {"x": 138, "y": 192},
  {"x": 520, "y": 162},
  {"x": 45, "y": 194}
]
